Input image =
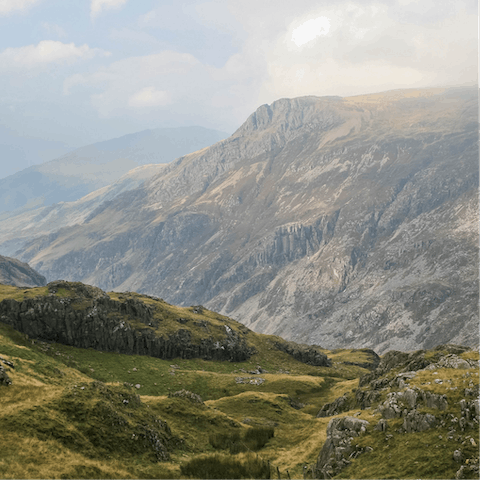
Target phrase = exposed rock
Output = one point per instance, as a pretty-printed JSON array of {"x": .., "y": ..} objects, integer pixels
[
  {"x": 90, "y": 319},
  {"x": 338, "y": 447},
  {"x": 304, "y": 353},
  {"x": 410, "y": 363},
  {"x": 7, "y": 363},
  {"x": 457, "y": 456},
  {"x": 190, "y": 396},
  {"x": 382, "y": 425},
  {"x": 4, "y": 378},
  {"x": 396, "y": 403},
  {"x": 366, "y": 398},
  {"x": 339, "y": 405},
  {"x": 415, "y": 421},
  {"x": 460, "y": 473},
  {"x": 14, "y": 272},
  {"x": 250, "y": 380},
  {"x": 453, "y": 361}
]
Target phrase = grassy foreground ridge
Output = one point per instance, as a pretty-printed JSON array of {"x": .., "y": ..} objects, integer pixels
[{"x": 70, "y": 412}]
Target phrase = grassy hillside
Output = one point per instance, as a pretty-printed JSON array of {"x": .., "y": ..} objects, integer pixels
[{"x": 83, "y": 413}]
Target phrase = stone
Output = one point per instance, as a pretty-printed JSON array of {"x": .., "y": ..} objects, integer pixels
[
  {"x": 418, "y": 422},
  {"x": 339, "y": 405},
  {"x": 338, "y": 447},
  {"x": 457, "y": 456},
  {"x": 381, "y": 426},
  {"x": 4, "y": 378},
  {"x": 190, "y": 396}
]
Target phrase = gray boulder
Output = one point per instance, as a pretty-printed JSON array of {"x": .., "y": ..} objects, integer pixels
[
  {"x": 338, "y": 448},
  {"x": 415, "y": 421}
]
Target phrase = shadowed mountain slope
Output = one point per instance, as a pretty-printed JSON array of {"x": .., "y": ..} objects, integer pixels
[
  {"x": 339, "y": 222},
  {"x": 13, "y": 272}
]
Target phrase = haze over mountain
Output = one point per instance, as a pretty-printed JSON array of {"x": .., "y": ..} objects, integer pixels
[
  {"x": 334, "y": 221},
  {"x": 89, "y": 168}
]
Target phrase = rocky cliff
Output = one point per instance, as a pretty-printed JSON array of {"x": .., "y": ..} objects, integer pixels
[
  {"x": 86, "y": 317},
  {"x": 343, "y": 222}
]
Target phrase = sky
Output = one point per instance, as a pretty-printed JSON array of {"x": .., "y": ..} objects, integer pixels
[{"x": 81, "y": 71}]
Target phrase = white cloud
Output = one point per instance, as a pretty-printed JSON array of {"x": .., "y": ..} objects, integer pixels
[
  {"x": 149, "y": 97},
  {"x": 310, "y": 30},
  {"x": 11, "y": 6},
  {"x": 122, "y": 83},
  {"x": 97, "y": 6},
  {"x": 45, "y": 52}
]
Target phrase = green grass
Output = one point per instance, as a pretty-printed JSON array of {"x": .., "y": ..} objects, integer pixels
[{"x": 64, "y": 416}]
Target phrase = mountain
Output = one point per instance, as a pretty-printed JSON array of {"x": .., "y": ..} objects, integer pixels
[
  {"x": 14, "y": 272},
  {"x": 89, "y": 168},
  {"x": 18, "y": 152},
  {"x": 342, "y": 222},
  {"x": 156, "y": 377}
]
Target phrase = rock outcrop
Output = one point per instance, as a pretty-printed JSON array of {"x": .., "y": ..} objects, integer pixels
[
  {"x": 90, "y": 319},
  {"x": 339, "y": 448},
  {"x": 304, "y": 353}
]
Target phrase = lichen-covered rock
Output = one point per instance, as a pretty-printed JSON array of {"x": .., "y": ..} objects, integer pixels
[
  {"x": 190, "y": 396},
  {"x": 339, "y": 405},
  {"x": 4, "y": 378},
  {"x": 415, "y": 421},
  {"x": 452, "y": 361},
  {"x": 382, "y": 425},
  {"x": 338, "y": 448}
]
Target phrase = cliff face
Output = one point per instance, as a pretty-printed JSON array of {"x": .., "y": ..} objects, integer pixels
[
  {"x": 339, "y": 222},
  {"x": 91, "y": 319},
  {"x": 14, "y": 272}
]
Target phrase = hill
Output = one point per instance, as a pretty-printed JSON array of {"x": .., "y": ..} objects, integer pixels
[
  {"x": 70, "y": 412},
  {"x": 89, "y": 168},
  {"x": 16, "y": 273},
  {"x": 345, "y": 222}
]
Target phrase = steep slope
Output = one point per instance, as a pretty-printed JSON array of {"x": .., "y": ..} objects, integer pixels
[
  {"x": 86, "y": 169},
  {"x": 339, "y": 222},
  {"x": 19, "y": 227},
  {"x": 14, "y": 272}
]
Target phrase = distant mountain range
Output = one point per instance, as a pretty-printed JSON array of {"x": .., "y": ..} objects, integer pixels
[
  {"x": 342, "y": 222},
  {"x": 89, "y": 168}
]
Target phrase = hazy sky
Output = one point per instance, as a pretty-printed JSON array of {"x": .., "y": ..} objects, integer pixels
[{"x": 81, "y": 71}]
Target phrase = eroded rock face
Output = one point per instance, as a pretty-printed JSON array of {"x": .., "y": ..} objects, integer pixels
[
  {"x": 418, "y": 422},
  {"x": 92, "y": 320},
  {"x": 304, "y": 353},
  {"x": 339, "y": 446},
  {"x": 339, "y": 405}
]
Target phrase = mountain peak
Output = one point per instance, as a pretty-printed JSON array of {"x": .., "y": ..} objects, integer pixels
[{"x": 292, "y": 113}]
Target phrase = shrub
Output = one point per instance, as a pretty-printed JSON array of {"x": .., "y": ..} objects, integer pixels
[
  {"x": 221, "y": 466},
  {"x": 253, "y": 440}
]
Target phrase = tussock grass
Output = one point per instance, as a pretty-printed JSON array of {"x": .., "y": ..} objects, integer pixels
[{"x": 222, "y": 466}]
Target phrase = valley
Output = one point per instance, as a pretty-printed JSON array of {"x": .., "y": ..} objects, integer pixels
[{"x": 274, "y": 409}]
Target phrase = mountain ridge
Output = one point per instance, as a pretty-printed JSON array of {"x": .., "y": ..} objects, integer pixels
[
  {"x": 328, "y": 221},
  {"x": 91, "y": 167}
]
